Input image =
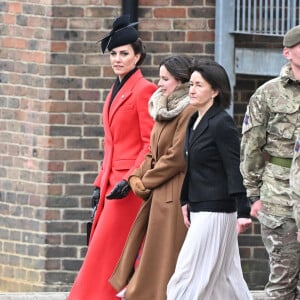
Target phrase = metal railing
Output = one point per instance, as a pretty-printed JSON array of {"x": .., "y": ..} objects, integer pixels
[{"x": 266, "y": 17}]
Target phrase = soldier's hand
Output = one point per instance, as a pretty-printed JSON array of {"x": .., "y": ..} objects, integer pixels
[
  {"x": 298, "y": 237},
  {"x": 255, "y": 208}
]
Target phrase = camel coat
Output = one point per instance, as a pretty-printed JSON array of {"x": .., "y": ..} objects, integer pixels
[
  {"x": 159, "y": 222},
  {"x": 127, "y": 127}
]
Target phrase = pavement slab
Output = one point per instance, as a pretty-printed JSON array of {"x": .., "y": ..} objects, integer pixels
[{"x": 257, "y": 295}]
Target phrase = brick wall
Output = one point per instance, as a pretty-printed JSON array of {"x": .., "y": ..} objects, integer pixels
[{"x": 53, "y": 84}]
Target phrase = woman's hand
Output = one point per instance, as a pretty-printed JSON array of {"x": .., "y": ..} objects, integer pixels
[
  {"x": 185, "y": 213},
  {"x": 243, "y": 224},
  {"x": 120, "y": 190},
  {"x": 138, "y": 187}
]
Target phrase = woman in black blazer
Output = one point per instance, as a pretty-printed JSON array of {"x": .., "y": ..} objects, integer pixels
[{"x": 212, "y": 197}]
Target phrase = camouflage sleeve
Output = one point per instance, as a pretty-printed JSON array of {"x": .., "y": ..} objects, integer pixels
[{"x": 254, "y": 133}]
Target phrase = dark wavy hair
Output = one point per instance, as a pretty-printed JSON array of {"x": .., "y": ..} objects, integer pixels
[
  {"x": 218, "y": 79},
  {"x": 139, "y": 48},
  {"x": 178, "y": 66}
]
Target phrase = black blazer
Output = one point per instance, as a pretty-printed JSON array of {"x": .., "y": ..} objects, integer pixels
[{"x": 213, "y": 181}]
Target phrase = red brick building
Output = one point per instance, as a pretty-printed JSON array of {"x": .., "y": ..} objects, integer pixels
[{"x": 53, "y": 82}]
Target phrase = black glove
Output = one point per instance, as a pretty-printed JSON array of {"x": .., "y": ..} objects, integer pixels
[
  {"x": 95, "y": 197},
  {"x": 95, "y": 200},
  {"x": 120, "y": 190}
]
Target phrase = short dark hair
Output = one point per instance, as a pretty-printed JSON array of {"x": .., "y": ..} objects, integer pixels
[
  {"x": 139, "y": 48},
  {"x": 178, "y": 66},
  {"x": 217, "y": 77}
]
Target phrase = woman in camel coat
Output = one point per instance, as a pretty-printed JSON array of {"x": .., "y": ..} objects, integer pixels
[{"x": 159, "y": 225}]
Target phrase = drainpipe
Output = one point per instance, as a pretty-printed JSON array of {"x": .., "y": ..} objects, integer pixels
[
  {"x": 130, "y": 7},
  {"x": 224, "y": 39}
]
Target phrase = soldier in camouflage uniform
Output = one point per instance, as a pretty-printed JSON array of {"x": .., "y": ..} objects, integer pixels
[{"x": 269, "y": 135}]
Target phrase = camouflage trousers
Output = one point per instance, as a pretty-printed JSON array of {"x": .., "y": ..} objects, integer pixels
[{"x": 280, "y": 241}]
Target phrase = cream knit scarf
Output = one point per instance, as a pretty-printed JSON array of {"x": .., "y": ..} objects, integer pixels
[{"x": 166, "y": 108}]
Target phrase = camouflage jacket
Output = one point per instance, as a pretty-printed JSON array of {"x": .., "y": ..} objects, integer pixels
[{"x": 269, "y": 126}]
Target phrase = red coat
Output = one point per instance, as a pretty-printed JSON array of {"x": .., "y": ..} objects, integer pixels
[{"x": 127, "y": 127}]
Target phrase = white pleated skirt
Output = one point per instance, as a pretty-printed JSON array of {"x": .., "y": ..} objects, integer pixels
[{"x": 208, "y": 266}]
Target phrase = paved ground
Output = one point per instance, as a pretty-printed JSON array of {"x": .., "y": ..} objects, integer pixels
[
  {"x": 33, "y": 296},
  {"x": 257, "y": 295}
]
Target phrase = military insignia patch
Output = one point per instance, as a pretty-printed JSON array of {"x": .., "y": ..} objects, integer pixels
[
  {"x": 247, "y": 124},
  {"x": 246, "y": 119}
]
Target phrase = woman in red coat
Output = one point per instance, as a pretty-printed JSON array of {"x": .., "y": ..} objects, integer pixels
[
  {"x": 127, "y": 126},
  {"x": 159, "y": 226}
]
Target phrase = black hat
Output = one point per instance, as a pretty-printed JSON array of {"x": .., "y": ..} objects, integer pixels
[{"x": 123, "y": 33}]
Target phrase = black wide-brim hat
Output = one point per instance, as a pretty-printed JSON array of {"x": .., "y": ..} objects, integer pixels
[{"x": 123, "y": 33}]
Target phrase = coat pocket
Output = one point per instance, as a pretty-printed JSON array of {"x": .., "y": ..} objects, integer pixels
[
  {"x": 269, "y": 220},
  {"x": 283, "y": 118},
  {"x": 123, "y": 164},
  {"x": 119, "y": 169}
]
